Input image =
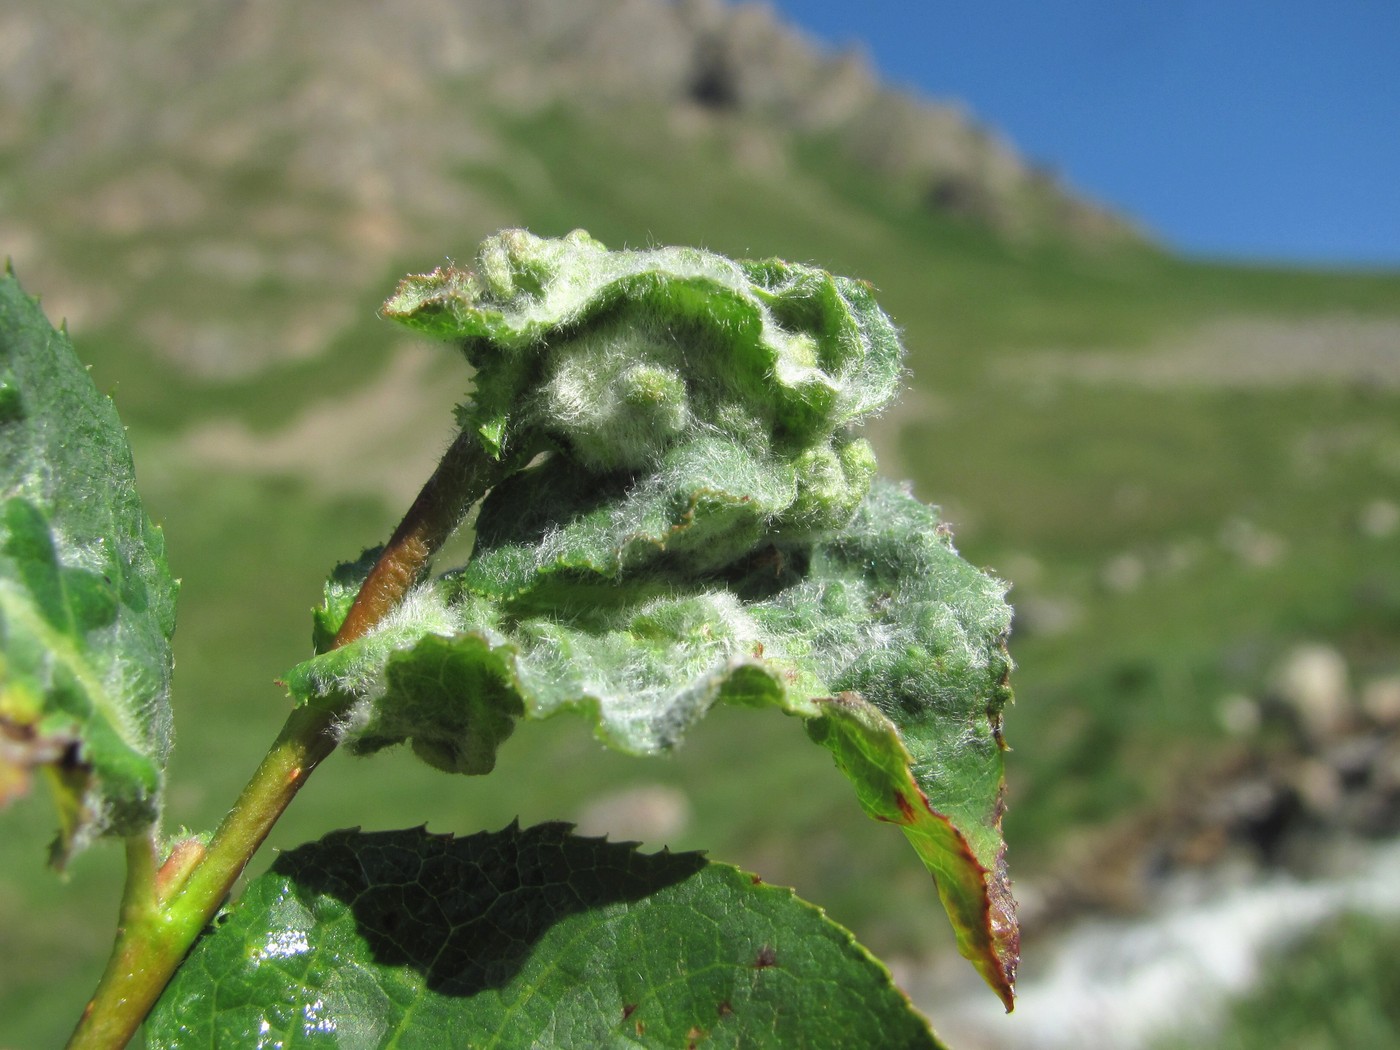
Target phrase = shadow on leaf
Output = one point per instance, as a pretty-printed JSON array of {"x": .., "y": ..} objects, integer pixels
[{"x": 466, "y": 912}]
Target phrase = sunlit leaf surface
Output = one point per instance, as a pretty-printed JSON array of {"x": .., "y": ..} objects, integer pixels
[
  {"x": 87, "y": 603},
  {"x": 533, "y": 938}
]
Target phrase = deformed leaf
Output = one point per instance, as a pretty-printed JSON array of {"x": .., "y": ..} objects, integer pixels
[
  {"x": 87, "y": 602},
  {"x": 731, "y": 548},
  {"x": 675, "y": 362},
  {"x": 533, "y": 938}
]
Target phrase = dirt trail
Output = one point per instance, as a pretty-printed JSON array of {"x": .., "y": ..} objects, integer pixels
[{"x": 1238, "y": 352}]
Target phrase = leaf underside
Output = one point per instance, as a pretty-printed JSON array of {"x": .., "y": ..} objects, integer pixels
[
  {"x": 533, "y": 938},
  {"x": 87, "y": 602},
  {"x": 703, "y": 529}
]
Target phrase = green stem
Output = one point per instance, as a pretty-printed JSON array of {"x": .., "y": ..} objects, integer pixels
[
  {"x": 161, "y": 918},
  {"x": 126, "y": 970}
]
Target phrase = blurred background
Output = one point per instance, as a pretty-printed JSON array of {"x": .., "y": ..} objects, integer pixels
[{"x": 1148, "y": 273}]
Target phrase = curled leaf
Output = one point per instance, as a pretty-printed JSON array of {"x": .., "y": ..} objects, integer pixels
[{"x": 704, "y": 529}]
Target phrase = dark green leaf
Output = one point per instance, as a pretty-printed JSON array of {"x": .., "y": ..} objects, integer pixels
[
  {"x": 532, "y": 938},
  {"x": 87, "y": 603}
]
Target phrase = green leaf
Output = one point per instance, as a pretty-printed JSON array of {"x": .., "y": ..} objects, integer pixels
[
  {"x": 640, "y": 574},
  {"x": 87, "y": 603},
  {"x": 532, "y": 938},
  {"x": 625, "y": 360}
]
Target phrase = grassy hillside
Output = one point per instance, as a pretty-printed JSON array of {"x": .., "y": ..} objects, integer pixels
[{"x": 1175, "y": 463}]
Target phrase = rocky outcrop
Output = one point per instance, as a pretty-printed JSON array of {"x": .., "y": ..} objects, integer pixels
[
  {"x": 365, "y": 95},
  {"x": 1315, "y": 769}
]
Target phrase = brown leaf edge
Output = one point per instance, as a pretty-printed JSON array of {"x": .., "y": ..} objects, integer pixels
[{"x": 977, "y": 896}]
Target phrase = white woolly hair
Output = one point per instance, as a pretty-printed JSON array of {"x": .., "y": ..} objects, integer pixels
[{"x": 422, "y": 612}]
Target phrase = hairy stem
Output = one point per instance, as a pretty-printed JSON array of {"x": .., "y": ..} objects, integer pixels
[
  {"x": 461, "y": 479},
  {"x": 159, "y": 923}
]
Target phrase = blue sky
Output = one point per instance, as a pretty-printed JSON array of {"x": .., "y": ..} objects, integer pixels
[{"x": 1254, "y": 129}]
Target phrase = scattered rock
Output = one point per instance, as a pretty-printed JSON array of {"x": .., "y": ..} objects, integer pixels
[
  {"x": 1312, "y": 774},
  {"x": 1258, "y": 812},
  {"x": 1313, "y": 683},
  {"x": 650, "y": 813},
  {"x": 1253, "y": 546},
  {"x": 1048, "y": 616},
  {"x": 1353, "y": 758},
  {"x": 1240, "y": 715},
  {"x": 1180, "y": 556},
  {"x": 1123, "y": 573},
  {"x": 959, "y": 195},
  {"x": 1380, "y": 700},
  {"x": 1379, "y": 518},
  {"x": 1319, "y": 787},
  {"x": 1020, "y": 567}
]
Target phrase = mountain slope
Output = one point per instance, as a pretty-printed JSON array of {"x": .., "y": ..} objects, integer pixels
[
  {"x": 253, "y": 142},
  {"x": 218, "y": 196}
]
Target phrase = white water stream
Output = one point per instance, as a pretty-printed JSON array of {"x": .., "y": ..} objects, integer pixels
[{"x": 1118, "y": 984}]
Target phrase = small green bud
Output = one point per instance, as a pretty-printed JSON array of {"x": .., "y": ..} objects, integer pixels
[
  {"x": 831, "y": 482},
  {"x": 610, "y": 402}
]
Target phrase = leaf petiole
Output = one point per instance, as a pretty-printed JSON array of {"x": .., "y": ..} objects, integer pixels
[{"x": 104, "y": 1023}]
